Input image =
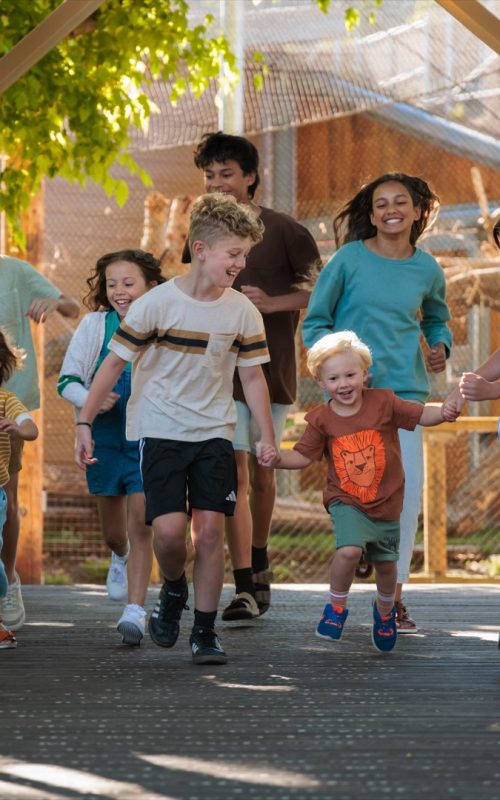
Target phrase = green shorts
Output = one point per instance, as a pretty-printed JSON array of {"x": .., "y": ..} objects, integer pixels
[{"x": 379, "y": 538}]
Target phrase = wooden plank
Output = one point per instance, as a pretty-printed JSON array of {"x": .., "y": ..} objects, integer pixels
[
  {"x": 47, "y": 34},
  {"x": 462, "y": 424},
  {"x": 477, "y": 19}
]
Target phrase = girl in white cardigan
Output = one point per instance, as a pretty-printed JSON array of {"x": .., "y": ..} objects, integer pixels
[{"x": 115, "y": 477}]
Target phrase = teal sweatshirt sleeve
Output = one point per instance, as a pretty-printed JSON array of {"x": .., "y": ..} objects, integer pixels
[
  {"x": 327, "y": 290},
  {"x": 435, "y": 315}
]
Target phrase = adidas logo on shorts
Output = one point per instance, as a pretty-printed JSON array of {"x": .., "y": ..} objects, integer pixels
[{"x": 231, "y": 497}]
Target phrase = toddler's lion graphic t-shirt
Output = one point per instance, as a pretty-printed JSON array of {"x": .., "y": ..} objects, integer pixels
[{"x": 362, "y": 451}]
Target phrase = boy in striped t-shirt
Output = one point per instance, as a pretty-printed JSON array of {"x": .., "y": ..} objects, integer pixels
[
  {"x": 15, "y": 423},
  {"x": 185, "y": 339}
]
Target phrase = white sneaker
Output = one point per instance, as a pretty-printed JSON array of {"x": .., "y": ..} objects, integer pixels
[
  {"x": 12, "y": 607},
  {"x": 116, "y": 582},
  {"x": 132, "y": 624}
]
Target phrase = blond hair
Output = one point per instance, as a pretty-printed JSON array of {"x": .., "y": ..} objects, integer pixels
[
  {"x": 216, "y": 215},
  {"x": 334, "y": 343}
]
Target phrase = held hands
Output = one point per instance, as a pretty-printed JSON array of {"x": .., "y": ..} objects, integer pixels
[
  {"x": 450, "y": 410},
  {"x": 259, "y": 298},
  {"x": 84, "y": 447},
  {"x": 452, "y": 406},
  {"x": 267, "y": 454},
  {"x": 436, "y": 360},
  {"x": 42, "y": 307}
]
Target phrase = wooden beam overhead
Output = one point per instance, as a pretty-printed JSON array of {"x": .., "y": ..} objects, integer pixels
[
  {"x": 37, "y": 43},
  {"x": 474, "y": 16}
]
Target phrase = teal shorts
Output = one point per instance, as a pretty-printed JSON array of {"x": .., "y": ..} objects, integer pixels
[{"x": 379, "y": 538}]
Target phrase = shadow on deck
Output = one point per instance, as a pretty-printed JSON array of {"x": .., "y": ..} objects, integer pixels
[{"x": 290, "y": 717}]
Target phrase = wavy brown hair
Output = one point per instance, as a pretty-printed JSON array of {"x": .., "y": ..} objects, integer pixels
[
  {"x": 353, "y": 220},
  {"x": 11, "y": 358},
  {"x": 96, "y": 298}
]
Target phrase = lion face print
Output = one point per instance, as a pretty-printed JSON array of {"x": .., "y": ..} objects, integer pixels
[{"x": 359, "y": 460}]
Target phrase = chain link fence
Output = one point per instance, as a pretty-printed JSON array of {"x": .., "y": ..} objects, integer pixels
[{"x": 414, "y": 93}]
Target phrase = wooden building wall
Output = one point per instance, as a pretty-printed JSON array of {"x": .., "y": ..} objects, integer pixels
[{"x": 335, "y": 157}]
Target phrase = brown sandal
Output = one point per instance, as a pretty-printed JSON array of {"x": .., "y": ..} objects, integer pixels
[{"x": 262, "y": 581}]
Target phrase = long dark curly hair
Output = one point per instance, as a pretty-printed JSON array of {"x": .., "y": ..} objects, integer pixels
[
  {"x": 11, "y": 358},
  {"x": 96, "y": 297},
  {"x": 353, "y": 220}
]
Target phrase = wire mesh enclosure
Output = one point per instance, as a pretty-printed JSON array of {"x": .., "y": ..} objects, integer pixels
[{"x": 415, "y": 93}]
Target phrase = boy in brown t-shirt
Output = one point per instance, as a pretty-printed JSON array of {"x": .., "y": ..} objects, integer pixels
[
  {"x": 274, "y": 268},
  {"x": 357, "y": 432}
]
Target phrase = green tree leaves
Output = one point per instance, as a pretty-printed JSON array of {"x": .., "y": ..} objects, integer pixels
[{"x": 70, "y": 115}]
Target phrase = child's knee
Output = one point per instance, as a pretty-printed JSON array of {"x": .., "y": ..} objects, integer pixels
[
  {"x": 208, "y": 538},
  {"x": 349, "y": 554}
]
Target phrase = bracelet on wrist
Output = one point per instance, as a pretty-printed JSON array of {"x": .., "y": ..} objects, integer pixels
[{"x": 88, "y": 424}]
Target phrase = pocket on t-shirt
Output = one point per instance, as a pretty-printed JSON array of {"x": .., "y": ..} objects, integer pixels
[{"x": 219, "y": 345}]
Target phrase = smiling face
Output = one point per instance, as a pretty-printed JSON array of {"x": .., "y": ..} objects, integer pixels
[
  {"x": 125, "y": 282},
  {"x": 393, "y": 212},
  {"x": 227, "y": 177},
  {"x": 222, "y": 260},
  {"x": 342, "y": 376}
]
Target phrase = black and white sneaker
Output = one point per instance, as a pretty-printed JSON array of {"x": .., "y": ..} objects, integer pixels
[
  {"x": 164, "y": 621},
  {"x": 206, "y": 647}
]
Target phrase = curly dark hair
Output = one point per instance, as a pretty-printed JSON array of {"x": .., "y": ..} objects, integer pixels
[
  {"x": 11, "y": 358},
  {"x": 222, "y": 147},
  {"x": 96, "y": 298},
  {"x": 353, "y": 222}
]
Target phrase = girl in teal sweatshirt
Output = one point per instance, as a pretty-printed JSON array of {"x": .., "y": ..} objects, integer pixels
[{"x": 387, "y": 290}]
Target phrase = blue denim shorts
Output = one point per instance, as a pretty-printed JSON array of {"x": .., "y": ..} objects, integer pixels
[
  {"x": 4, "y": 583},
  {"x": 116, "y": 473}
]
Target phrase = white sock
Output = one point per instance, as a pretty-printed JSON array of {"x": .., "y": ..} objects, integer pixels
[
  {"x": 385, "y": 603},
  {"x": 338, "y": 598}
]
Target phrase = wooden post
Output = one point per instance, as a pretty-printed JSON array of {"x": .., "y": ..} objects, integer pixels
[
  {"x": 434, "y": 505},
  {"x": 175, "y": 237},
  {"x": 29, "y": 563},
  {"x": 156, "y": 210}
]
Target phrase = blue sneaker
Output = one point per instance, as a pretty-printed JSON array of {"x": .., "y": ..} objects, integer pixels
[
  {"x": 332, "y": 622},
  {"x": 384, "y": 631}
]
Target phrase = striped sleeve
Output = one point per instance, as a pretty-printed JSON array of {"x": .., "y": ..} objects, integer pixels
[
  {"x": 128, "y": 342},
  {"x": 252, "y": 340},
  {"x": 14, "y": 408}
]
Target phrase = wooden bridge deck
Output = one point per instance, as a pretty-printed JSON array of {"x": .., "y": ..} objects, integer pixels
[{"x": 290, "y": 717}]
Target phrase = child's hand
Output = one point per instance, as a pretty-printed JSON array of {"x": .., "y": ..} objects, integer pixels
[
  {"x": 474, "y": 387},
  {"x": 84, "y": 447},
  {"x": 109, "y": 402},
  {"x": 260, "y": 299},
  {"x": 267, "y": 455},
  {"x": 11, "y": 427},
  {"x": 436, "y": 360},
  {"x": 450, "y": 410},
  {"x": 42, "y": 307}
]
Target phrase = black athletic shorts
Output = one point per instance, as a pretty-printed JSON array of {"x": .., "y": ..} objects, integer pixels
[{"x": 180, "y": 476}]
